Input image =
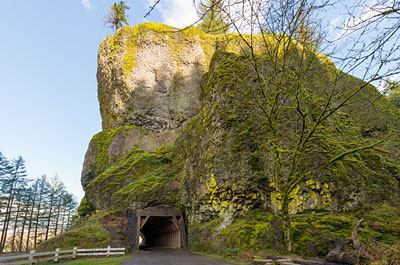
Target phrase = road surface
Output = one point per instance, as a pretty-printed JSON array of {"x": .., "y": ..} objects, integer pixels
[{"x": 172, "y": 257}]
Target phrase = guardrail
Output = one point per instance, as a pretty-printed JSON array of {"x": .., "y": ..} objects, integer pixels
[{"x": 55, "y": 256}]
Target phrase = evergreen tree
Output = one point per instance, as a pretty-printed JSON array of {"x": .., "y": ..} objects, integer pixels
[
  {"x": 34, "y": 190},
  {"x": 12, "y": 182},
  {"x": 44, "y": 208},
  {"x": 211, "y": 14},
  {"x": 56, "y": 189},
  {"x": 41, "y": 196},
  {"x": 306, "y": 31},
  {"x": 392, "y": 92},
  {"x": 27, "y": 201},
  {"x": 116, "y": 16}
]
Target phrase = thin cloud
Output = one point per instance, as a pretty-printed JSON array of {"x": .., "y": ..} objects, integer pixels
[
  {"x": 87, "y": 5},
  {"x": 177, "y": 13},
  {"x": 334, "y": 24}
]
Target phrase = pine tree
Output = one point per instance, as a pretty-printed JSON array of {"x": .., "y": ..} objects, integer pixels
[
  {"x": 34, "y": 190},
  {"x": 213, "y": 21},
  {"x": 42, "y": 193},
  {"x": 392, "y": 92},
  {"x": 116, "y": 15},
  {"x": 14, "y": 178},
  {"x": 306, "y": 32},
  {"x": 27, "y": 201}
]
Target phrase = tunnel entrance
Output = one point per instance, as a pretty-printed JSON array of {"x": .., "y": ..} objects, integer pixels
[
  {"x": 159, "y": 226},
  {"x": 161, "y": 231}
]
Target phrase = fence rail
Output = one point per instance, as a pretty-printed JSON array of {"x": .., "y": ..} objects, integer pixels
[{"x": 59, "y": 254}]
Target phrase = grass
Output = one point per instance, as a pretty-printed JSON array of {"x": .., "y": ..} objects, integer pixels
[
  {"x": 216, "y": 256},
  {"x": 92, "y": 261}
]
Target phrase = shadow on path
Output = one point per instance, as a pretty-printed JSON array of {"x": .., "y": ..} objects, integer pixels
[{"x": 172, "y": 257}]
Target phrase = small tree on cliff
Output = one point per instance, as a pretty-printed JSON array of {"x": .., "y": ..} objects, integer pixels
[
  {"x": 213, "y": 20},
  {"x": 116, "y": 15}
]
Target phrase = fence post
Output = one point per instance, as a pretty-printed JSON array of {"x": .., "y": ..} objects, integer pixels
[
  {"x": 56, "y": 256},
  {"x": 31, "y": 256},
  {"x": 108, "y": 251},
  {"x": 74, "y": 253}
]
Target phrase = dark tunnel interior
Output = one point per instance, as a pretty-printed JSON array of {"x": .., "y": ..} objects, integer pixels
[{"x": 160, "y": 231}]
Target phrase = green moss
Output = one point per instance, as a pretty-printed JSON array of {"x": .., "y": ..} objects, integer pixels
[
  {"x": 249, "y": 233},
  {"x": 87, "y": 233},
  {"x": 102, "y": 140},
  {"x": 313, "y": 233},
  {"x": 159, "y": 33},
  {"x": 202, "y": 235},
  {"x": 139, "y": 177},
  {"x": 85, "y": 208},
  {"x": 153, "y": 188}
]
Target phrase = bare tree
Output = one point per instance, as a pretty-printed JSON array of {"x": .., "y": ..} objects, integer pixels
[
  {"x": 369, "y": 39},
  {"x": 279, "y": 55}
]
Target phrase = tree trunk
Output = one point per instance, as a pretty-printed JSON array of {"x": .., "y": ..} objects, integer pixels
[
  {"x": 21, "y": 238},
  {"x": 69, "y": 219},
  {"x": 286, "y": 222},
  {"x": 7, "y": 222},
  {"x": 7, "y": 216},
  {"x": 37, "y": 219},
  {"x": 57, "y": 218},
  {"x": 15, "y": 228},
  {"x": 338, "y": 255},
  {"x": 62, "y": 220},
  {"x": 31, "y": 218},
  {"x": 49, "y": 218},
  {"x": 286, "y": 219},
  {"x": 356, "y": 241}
]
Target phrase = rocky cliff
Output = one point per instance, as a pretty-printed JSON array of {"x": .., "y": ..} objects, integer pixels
[{"x": 181, "y": 127}]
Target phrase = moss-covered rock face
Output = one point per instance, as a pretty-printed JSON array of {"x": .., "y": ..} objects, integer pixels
[
  {"x": 85, "y": 208},
  {"x": 139, "y": 180},
  {"x": 259, "y": 232},
  {"x": 156, "y": 82},
  {"x": 228, "y": 168},
  {"x": 108, "y": 147},
  {"x": 149, "y": 75},
  {"x": 149, "y": 86}
]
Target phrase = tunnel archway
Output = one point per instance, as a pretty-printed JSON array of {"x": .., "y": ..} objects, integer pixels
[{"x": 159, "y": 226}]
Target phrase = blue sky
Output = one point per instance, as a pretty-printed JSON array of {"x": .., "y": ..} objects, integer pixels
[{"x": 48, "y": 90}]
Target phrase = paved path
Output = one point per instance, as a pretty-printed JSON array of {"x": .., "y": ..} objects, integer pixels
[{"x": 172, "y": 257}]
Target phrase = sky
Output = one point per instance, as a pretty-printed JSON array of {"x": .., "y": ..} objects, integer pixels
[{"x": 48, "y": 90}]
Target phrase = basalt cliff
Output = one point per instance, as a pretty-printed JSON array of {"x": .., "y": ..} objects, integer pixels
[{"x": 182, "y": 127}]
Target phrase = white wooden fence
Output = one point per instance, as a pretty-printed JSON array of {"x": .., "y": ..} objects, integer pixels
[{"x": 55, "y": 256}]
